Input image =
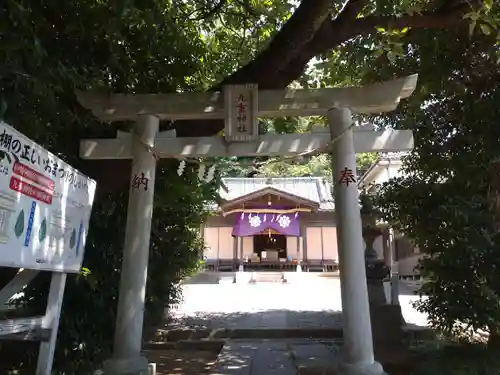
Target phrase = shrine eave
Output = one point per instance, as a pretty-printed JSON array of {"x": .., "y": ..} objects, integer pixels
[
  {"x": 273, "y": 191},
  {"x": 315, "y": 191}
]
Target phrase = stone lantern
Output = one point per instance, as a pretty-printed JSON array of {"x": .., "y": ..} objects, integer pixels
[
  {"x": 376, "y": 269},
  {"x": 387, "y": 320}
]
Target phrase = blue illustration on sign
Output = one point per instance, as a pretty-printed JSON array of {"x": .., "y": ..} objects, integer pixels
[
  {"x": 79, "y": 237},
  {"x": 30, "y": 224}
]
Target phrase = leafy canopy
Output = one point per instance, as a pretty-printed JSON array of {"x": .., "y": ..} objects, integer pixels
[{"x": 444, "y": 201}]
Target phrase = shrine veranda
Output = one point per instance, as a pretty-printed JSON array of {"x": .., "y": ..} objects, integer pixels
[{"x": 240, "y": 106}]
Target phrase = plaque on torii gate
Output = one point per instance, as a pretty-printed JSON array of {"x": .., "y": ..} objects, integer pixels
[{"x": 240, "y": 106}]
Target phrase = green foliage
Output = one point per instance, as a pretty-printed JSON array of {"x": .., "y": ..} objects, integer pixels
[
  {"x": 457, "y": 360},
  {"x": 232, "y": 31},
  {"x": 46, "y": 51},
  {"x": 443, "y": 201},
  {"x": 319, "y": 165},
  {"x": 308, "y": 165},
  {"x": 316, "y": 165}
]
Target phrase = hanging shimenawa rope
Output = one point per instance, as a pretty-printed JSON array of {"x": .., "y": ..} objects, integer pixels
[{"x": 208, "y": 175}]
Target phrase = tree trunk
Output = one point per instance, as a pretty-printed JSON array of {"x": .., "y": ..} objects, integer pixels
[
  {"x": 494, "y": 339},
  {"x": 494, "y": 199}
]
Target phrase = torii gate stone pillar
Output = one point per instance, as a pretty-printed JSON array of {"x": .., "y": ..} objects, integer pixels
[
  {"x": 130, "y": 313},
  {"x": 240, "y": 106},
  {"x": 357, "y": 330}
]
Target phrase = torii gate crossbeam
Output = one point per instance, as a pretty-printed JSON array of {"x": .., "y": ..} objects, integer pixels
[{"x": 240, "y": 106}]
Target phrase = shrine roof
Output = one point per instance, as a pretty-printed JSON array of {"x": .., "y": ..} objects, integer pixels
[
  {"x": 377, "y": 173},
  {"x": 315, "y": 189}
]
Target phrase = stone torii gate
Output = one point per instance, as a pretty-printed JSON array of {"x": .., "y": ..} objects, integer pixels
[{"x": 240, "y": 106}]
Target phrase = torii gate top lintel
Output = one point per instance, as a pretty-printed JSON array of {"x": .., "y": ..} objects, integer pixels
[
  {"x": 240, "y": 106},
  {"x": 374, "y": 98}
]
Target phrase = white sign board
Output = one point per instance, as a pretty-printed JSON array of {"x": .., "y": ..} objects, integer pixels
[
  {"x": 45, "y": 207},
  {"x": 240, "y": 105}
]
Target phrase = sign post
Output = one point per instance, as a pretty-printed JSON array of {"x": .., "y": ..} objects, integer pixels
[
  {"x": 45, "y": 207},
  {"x": 51, "y": 322}
]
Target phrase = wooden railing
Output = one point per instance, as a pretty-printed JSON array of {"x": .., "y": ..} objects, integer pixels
[
  {"x": 268, "y": 265},
  {"x": 232, "y": 265},
  {"x": 221, "y": 265}
]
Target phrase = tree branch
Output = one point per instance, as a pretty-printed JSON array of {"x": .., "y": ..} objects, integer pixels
[
  {"x": 346, "y": 26},
  {"x": 308, "y": 33},
  {"x": 211, "y": 12},
  {"x": 270, "y": 71},
  {"x": 284, "y": 59},
  {"x": 339, "y": 31},
  {"x": 299, "y": 30}
]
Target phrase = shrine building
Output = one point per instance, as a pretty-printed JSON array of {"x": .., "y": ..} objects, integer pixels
[
  {"x": 273, "y": 223},
  {"x": 404, "y": 256},
  {"x": 276, "y": 223},
  {"x": 269, "y": 223}
]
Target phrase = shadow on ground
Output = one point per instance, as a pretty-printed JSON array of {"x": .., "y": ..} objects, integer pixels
[
  {"x": 407, "y": 289},
  {"x": 268, "y": 319}
]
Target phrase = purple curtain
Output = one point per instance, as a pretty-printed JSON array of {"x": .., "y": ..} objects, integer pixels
[{"x": 249, "y": 224}]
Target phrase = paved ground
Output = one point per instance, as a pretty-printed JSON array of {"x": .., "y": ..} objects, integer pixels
[
  {"x": 314, "y": 304},
  {"x": 310, "y": 303},
  {"x": 173, "y": 362},
  {"x": 285, "y": 357}
]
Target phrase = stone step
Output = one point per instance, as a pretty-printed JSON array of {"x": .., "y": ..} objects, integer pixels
[
  {"x": 234, "y": 359},
  {"x": 176, "y": 335},
  {"x": 185, "y": 362},
  {"x": 203, "y": 345},
  {"x": 229, "y": 279},
  {"x": 254, "y": 358},
  {"x": 267, "y": 277},
  {"x": 316, "y": 358}
]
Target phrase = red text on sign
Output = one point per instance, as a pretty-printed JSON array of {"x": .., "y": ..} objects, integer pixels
[
  {"x": 30, "y": 190},
  {"x": 32, "y": 175}
]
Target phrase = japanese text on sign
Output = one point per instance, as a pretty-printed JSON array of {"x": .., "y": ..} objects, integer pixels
[
  {"x": 20, "y": 150},
  {"x": 241, "y": 114},
  {"x": 241, "y": 107},
  {"x": 347, "y": 177},
  {"x": 30, "y": 190},
  {"x": 45, "y": 206},
  {"x": 32, "y": 175},
  {"x": 140, "y": 180}
]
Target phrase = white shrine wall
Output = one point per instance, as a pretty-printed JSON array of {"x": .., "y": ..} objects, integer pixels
[
  {"x": 318, "y": 240},
  {"x": 219, "y": 244}
]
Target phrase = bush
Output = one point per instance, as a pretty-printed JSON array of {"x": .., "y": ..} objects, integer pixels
[{"x": 458, "y": 360}]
